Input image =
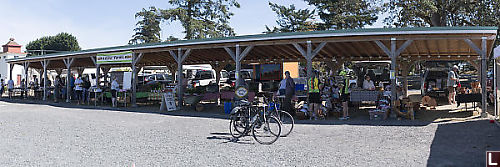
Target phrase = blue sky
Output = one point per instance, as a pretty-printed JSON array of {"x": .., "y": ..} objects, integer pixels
[{"x": 103, "y": 23}]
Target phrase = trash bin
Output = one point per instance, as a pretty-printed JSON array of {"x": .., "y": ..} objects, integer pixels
[{"x": 228, "y": 106}]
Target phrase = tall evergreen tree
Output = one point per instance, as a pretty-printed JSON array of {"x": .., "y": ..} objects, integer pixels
[
  {"x": 202, "y": 18},
  {"x": 52, "y": 44},
  {"x": 346, "y": 14},
  {"x": 148, "y": 28},
  {"x": 434, "y": 13},
  {"x": 292, "y": 20}
]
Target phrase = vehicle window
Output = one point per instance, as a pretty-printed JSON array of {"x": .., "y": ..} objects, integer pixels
[
  {"x": 204, "y": 75},
  {"x": 151, "y": 77},
  {"x": 225, "y": 75},
  {"x": 245, "y": 75},
  {"x": 160, "y": 77},
  {"x": 168, "y": 77}
]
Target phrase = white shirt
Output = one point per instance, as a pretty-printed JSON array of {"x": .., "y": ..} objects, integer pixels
[
  {"x": 78, "y": 84},
  {"x": 114, "y": 85},
  {"x": 10, "y": 84},
  {"x": 283, "y": 84},
  {"x": 368, "y": 85}
]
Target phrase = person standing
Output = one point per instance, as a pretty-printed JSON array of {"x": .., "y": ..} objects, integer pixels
[
  {"x": 86, "y": 89},
  {"x": 10, "y": 86},
  {"x": 2, "y": 87},
  {"x": 79, "y": 89},
  {"x": 452, "y": 84},
  {"x": 57, "y": 87},
  {"x": 314, "y": 96},
  {"x": 114, "y": 89},
  {"x": 23, "y": 88},
  {"x": 72, "y": 87},
  {"x": 289, "y": 93}
]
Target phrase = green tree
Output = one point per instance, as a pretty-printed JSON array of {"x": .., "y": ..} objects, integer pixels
[
  {"x": 433, "y": 13},
  {"x": 291, "y": 20},
  {"x": 202, "y": 18},
  {"x": 346, "y": 14},
  {"x": 148, "y": 28},
  {"x": 172, "y": 38},
  {"x": 52, "y": 44}
]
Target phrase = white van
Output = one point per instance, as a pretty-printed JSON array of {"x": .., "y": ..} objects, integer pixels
[{"x": 203, "y": 78}]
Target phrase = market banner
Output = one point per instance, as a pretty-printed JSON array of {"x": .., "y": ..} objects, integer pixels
[{"x": 115, "y": 58}]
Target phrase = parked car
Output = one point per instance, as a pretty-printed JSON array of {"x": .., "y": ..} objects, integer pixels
[
  {"x": 155, "y": 79},
  {"x": 434, "y": 83},
  {"x": 224, "y": 77},
  {"x": 247, "y": 76},
  {"x": 203, "y": 78}
]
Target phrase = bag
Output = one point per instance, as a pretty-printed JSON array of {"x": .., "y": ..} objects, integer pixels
[{"x": 459, "y": 85}]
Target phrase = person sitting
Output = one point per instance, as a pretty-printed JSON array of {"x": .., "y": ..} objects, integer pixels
[{"x": 368, "y": 84}]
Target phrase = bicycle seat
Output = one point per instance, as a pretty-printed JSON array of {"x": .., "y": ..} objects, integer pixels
[{"x": 244, "y": 102}]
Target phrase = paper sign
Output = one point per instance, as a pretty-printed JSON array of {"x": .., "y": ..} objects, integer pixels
[
  {"x": 393, "y": 74},
  {"x": 127, "y": 80}
]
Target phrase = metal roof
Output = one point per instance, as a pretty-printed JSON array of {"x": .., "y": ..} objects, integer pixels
[{"x": 349, "y": 43}]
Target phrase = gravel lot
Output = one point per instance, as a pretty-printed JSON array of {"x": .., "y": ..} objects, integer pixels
[{"x": 45, "y": 135}]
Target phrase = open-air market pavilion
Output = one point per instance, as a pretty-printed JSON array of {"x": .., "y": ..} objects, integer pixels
[{"x": 402, "y": 46}]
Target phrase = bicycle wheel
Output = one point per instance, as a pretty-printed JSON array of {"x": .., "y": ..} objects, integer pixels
[
  {"x": 238, "y": 126},
  {"x": 287, "y": 123},
  {"x": 266, "y": 132}
]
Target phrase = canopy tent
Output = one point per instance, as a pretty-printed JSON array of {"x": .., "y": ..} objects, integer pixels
[{"x": 403, "y": 45}]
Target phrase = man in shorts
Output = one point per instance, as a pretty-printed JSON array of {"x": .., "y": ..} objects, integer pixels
[{"x": 314, "y": 96}]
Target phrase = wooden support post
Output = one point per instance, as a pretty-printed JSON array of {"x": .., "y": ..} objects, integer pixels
[
  {"x": 11, "y": 67},
  {"x": 179, "y": 57},
  {"x": 26, "y": 78},
  {"x": 68, "y": 62},
  {"x": 97, "y": 72},
  {"x": 45, "y": 64},
  {"x": 135, "y": 70},
  {"x": 483, "y": 71},
  {"x": 393, "y": 53},
  {"x": 79, "y": 71},
  {"x": 238, "y": 56},
  {"x": 172, "y": 68},
  {"x": 309, "y": 54}
]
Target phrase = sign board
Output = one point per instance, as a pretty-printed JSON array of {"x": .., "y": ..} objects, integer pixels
[
  {"x": 114, "y": 58},
  {"x": 241, "y": 92},
  {"x": 127, "y": 80},
  {"x": 393, "y": 74},
  {"x": 169, "y": 100}
]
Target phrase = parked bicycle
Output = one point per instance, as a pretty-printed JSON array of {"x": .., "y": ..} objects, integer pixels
[
  {"x": 247, "y": 117},
  {"x": 287, "y": 121}
]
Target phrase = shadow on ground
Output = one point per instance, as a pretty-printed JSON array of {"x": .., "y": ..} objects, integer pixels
[
  {"x": 463, "y": 143},
  {"x": 227, "y": 138},
  {"x": 358, "y": 117}
]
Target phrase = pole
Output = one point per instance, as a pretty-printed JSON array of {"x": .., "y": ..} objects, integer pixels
[
  {"x": 238, "y": 65},
  {"x": 45, "y": 64},
  {"x": 179, "y": 83},
  {"x": 484, "y": 69},
  {"x": 495, "y": 93},
  {"x": 393, "y": 76}
]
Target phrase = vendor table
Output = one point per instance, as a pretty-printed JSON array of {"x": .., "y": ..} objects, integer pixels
[
  {"x": 364, "y": 95},
  {"x": 468, "y": 98},
  {"x": 97, "y": 93}
]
